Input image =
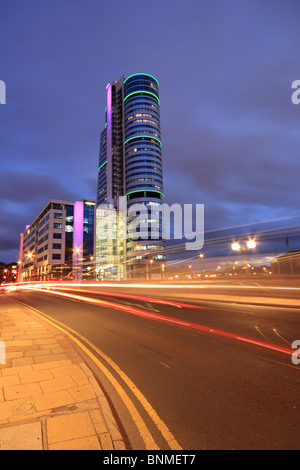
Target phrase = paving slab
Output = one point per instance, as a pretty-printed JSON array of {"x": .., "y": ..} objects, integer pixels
[
  {"x": 49, "y": 397},
  {"x": 22, "y": 437}
]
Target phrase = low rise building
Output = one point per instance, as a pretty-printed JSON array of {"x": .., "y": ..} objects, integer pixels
[{"x": 59, "y": 243}]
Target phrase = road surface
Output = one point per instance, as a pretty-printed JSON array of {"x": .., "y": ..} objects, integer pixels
[{"x": 201, "y": 373}]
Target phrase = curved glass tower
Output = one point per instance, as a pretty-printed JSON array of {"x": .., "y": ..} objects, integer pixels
[
  {"x": 142, "y": 139},
  {"x": 130, "y": 165}
]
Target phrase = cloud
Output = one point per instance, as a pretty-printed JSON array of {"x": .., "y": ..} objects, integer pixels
[
  {"x": 22, "y": 197},
  {"x": 24, "y": 187},
  {"x": 229, "y": 130},
  {"x": 248, "y": 169}
]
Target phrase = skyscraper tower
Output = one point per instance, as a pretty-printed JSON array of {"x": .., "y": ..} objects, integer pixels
[{"x": 130, "y": 165}]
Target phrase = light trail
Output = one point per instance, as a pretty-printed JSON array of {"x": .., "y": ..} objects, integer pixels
[
  {"x": 116, "y": 284},
  {"x": 165, "y": 319},
  {"x": 136, "y": 297}
]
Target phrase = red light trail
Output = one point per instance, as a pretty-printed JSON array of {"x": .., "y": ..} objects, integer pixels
[{"x": 159, "y": 317}]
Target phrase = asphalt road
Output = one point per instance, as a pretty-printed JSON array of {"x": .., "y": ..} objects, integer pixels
[{"x": 219, "y": 376}]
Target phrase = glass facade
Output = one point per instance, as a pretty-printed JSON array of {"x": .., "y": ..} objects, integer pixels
[
  {"x": 130, "y": 165},
  {"x": 143, "y": 159},
  {"x": 69, "y": 233},
  {"x": 48, "y": 244},
  {"x": 102, "y": 171},
  {"x": 88, "y": 229}
]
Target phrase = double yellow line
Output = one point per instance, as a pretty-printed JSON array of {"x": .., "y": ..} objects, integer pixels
[{"x": 144, "y": 432}]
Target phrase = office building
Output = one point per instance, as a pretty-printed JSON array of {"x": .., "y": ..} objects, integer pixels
[
  {"x": 130, "y": 170},
  {"x": 59, "y": 243}
]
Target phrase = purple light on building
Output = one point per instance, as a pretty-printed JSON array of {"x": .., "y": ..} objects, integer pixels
[
  {"x": 78, "y": 239},
  {"x": 109, "y": 140},
  {"x": 78, "y": 225}
]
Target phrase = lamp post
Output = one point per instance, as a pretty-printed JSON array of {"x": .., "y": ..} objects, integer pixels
[
  {"x": 29, "y": 257},
  {"x": 202, "y": 257},
  {"x": 149, "y": 269},
  {"x": 93, "y": 267},
  {"x": 251, "y": 244},
  {"x": 20, "y": 264},
  {"x": 77, "y": 251}
]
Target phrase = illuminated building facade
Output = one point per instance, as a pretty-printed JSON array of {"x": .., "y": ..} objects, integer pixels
[
  {"x": 130, "y": 168},
  {"x": 59, "y": 243}
]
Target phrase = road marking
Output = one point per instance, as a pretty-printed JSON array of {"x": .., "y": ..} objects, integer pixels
[{"x": 143, "y": 430}]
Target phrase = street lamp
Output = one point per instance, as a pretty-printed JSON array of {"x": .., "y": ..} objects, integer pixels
[
  {"x": 77, "y": 251},
  {"x": 236, "y": 246},
  {"x": 162, "y": 271},
  {"x": 92, "y": 267},
  {"x": 149, "y": 269},
  {"x": 29, "y": 257},
  {"x": 251, "y": 244},
  {"x": 201, "y": 255}
]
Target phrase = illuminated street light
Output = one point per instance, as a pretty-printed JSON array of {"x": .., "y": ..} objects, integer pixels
[
  {"x": 162, "y": 271},
  {"x": 251, "y": 244},
  {"x": 201, "y": 255},
  {"x": 77, "y": 251},
  {"x": 236, "y": 246}
]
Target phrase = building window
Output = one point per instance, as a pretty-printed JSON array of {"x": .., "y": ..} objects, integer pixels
[
  {"x": 57, "y": 215},
  {"x": 56, "y": 256},
  {"x": 57, "y": 235},
  {"x": 57, "y": 225},
  {"x": 56, "y": 246}
]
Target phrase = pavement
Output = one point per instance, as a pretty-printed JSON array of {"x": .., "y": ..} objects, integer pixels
[{"x": 49, "y": 397}]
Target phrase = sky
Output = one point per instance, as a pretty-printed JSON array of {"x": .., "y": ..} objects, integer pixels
[{"x": 230, "y": 131}]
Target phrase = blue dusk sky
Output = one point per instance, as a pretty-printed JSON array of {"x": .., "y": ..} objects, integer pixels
[{"x": 230, "y": 132}]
